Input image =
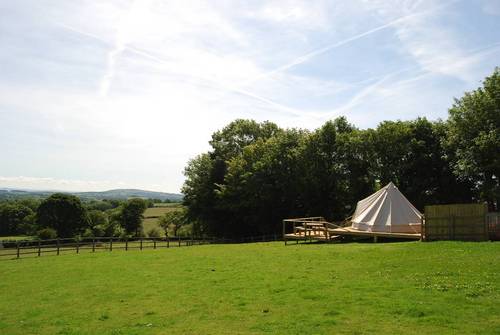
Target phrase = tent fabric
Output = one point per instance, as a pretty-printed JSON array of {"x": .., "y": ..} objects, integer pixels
[{"x": 387, "y": 210}]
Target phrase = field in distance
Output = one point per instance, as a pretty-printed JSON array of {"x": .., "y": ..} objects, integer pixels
[
  {"x": 352, "y": 288},
  {"x": 151, "y": 215}
]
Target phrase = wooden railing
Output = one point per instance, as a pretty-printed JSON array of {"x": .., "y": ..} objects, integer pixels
[{"x": 37, "y": 248}]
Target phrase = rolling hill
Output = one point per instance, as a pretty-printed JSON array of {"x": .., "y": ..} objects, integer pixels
[{"x": 111, "y": 194}]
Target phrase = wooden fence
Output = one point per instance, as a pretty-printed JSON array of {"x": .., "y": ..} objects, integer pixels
[
  {"x": 465, "y": 222},
  {"x": 38, "y": 248},
  {"x": 493, "y": 222}
]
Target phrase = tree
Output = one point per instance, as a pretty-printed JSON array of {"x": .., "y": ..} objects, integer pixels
[
  {"x": 174, "y": 219},
  {"x": 131, "y": 215},
  {"x": 206, "y": 173},
  {"x": 98, "y": 222},
  {"x": 335, "y": 170},
  {"x": 411, "y": 154},
  {"x": 473, "y": 134},
  {"x": 259, "y": 188},
  {"x": 64, "y": 213},
  {"x": 14, "y": 218}
]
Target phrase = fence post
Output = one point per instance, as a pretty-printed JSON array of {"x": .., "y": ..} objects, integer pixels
[
  {"x": 93, "y": 244},
  {"x": 126, "y": 243},
  {"x": 57, "y": 243},
  {"x": 39, "y": 248},
  {"x": 17, "y": 245},
  {"x": 77, "y": 246},
  {"x": 110, "y": 244},
  {"x": 168, "y": 242},
  {"x": 179, "y": 240},
  {"x": 154, "y": 243},
  {"x": 140, "y": 243}
]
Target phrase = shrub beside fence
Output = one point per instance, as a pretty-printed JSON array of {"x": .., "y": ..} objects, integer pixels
[{"x": 37, "y": 248}]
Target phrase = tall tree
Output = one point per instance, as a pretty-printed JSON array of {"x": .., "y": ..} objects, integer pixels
[
  {"x": 131, "y": 215},
  {"x": 259, "y": 188},
  {"x": 64, "y": 213},
  {"x": 474, "y": 137},
  {"x": 410, "y": 154}
]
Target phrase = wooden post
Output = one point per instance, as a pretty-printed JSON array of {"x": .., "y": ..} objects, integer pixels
[
  {"x": 422, "y": 228},
  {"x": 17, "y": 245},
  {"x": 126, "y": 243},
  {"x": 93, "y": 244},
  {"x": 168, "y": 242},
  {"x": 154, "y": 243},
  {"x": 57, "y": 242},
  {"x": 284, "y": 231},
  {"x": 179, "y": 241},
  {"x": 140, "y": 243},
  {"x": 77, "y": 246},
  {"x": 110, "y": 244},
  {"x": 39, "y": 248}
]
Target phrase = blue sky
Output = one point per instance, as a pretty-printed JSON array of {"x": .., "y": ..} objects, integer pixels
[{"x": 96, "y": 95}]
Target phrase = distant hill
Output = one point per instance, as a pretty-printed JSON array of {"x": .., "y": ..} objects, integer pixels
[{"x": 111, "y": 194}]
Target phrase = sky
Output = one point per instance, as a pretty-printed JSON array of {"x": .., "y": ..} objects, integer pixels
[{"x": 97, "y": 95}]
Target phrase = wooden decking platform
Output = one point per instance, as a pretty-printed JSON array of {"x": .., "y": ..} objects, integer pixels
[
  {"x": 318, "y": 229},
  {"x": 354, "y": 232}
]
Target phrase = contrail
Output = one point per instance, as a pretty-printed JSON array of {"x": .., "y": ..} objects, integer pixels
[
  {"x": 308, "y": 56},
  {"x": 214, "y": 84}
]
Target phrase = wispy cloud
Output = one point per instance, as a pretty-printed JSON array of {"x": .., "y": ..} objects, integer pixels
[{"x": 306, "y": 57}]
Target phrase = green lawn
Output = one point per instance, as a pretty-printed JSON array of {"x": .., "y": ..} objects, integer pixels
[{"x": 412, "y": 288}]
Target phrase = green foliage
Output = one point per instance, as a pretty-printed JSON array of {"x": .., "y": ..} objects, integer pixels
[
  {"x": 411, "y": 154},
  {"x": 100, "y": 205},
  {"x": 64, "y": 213},
  {"x": 97, "y": 217},
  {"x": 172, "y": 221},
  {"x": 131, "y": 215},
  {"x": 15, "y": 218},
  {"x": 154, "y": 232},
  {"x": 47, "y": 234},
  {"x": 473, "y": 134}
]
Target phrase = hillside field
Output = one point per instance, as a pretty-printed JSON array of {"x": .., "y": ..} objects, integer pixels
[
  {"x": 152, "y": 214},
  {"x": 351, "y": 288}
]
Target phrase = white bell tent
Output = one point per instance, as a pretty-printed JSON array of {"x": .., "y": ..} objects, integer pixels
[{"x": 387, "y": 210}]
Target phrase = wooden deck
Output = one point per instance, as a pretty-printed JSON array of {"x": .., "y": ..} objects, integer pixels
[{"x": 318, "y": 229}]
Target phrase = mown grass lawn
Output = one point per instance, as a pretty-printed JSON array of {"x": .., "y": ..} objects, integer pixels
[{"x": 411, "y": 288}]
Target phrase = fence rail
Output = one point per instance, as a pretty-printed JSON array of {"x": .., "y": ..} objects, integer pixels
[{"x": 38, "y": 248}]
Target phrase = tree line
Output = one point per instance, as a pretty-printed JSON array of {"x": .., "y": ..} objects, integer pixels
[
  {"x": 64, "y": 215},
  {"x": 256, "y": 174}
]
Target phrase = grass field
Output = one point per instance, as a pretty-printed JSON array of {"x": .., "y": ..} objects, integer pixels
[
  {"x": 16, "y": 238},
  {"x": 151, "y": 216},
  {"x": 411, "y": 288}
]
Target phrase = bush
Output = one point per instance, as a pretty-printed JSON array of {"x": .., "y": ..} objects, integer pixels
[
  {"x": 154, "y": 232},
  {"x": 47, "y": 234},
  {"x": 185, "y": 230}
]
